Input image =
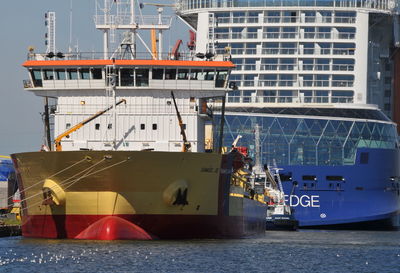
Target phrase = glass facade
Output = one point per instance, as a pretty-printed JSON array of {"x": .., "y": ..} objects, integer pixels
[{"x": 302, "y": 140}]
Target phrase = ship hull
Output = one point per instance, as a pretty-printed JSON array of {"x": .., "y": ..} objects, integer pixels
[
  {"x": 133, "y": 195},
  {"x": 367, "y": 198}
]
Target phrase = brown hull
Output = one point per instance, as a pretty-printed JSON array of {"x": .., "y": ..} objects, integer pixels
[{"x": 134, "y": 201}]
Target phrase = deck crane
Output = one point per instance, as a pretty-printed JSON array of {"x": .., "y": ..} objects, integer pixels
[
  {"x": 57, "y": 141},
  {"x": 157, "y": 54},
  {"x": 186, "y": 144}
]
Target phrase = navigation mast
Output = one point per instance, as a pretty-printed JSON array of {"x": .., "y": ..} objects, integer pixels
[{"x": 126, "y": 20}]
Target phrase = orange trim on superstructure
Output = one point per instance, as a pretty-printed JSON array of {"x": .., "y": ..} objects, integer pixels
[{"x": 78, "y": 63}]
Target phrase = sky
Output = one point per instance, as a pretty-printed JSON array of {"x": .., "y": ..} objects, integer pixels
[{"x": 21, "y": 26}]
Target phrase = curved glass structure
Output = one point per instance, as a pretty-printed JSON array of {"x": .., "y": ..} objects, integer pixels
[{"x": 308, "y": 140}]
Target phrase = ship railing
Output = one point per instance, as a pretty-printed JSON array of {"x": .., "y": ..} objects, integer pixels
[
  {"x": 337, "y": 67},
  {"x": 342, "y": 83},
  {"x": 345, "y": 35},
  {"x": 100, "y": 56},
  {"x": 343, "y": 51},
  {"x": 27, "y": 83},
  {"x": 320, "y": 67},
  {"x": 237, "y": 20},
  {"x": 346, "y": 20},
  {"x": 118, "y": 20},
  {"x": 379, "y": 5},
  {"x": 269, "y": 67}
]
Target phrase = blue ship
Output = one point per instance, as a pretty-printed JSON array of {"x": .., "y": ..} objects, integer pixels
[{"x": 340, "y": 167}]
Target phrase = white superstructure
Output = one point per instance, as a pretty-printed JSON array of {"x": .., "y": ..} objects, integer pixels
[
  {"x": 301, "y": 52},
  {"x": 86, "y": 84}
]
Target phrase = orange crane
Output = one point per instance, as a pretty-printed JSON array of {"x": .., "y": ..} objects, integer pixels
[
  {"x": 186, "y": 145},
  {"x": 57, "y": 141}
]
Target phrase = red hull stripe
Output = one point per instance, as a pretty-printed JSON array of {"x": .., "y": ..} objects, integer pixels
[{"x": 157, "y": 226}]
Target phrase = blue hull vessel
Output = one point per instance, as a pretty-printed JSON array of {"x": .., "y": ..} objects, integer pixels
[
  {"x": 365, "y": 195},
  {"x": 339, "y": 167}
]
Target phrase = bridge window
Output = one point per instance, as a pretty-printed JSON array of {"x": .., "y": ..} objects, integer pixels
[
  {"x": 194, "y": 74},
  {"x": 127, "y": 77},
  {"x": 36, "y": 75},
  {"x": 72, "y": 74},
  {"x": 48, "y": 74},
  {"x": 183, "y": 74},
  {"x": 170, "y": 74},
  {"x": 221, "y": 77},
  {"x": 60, "y": 74},
  {"x": 158, "y": 73},
  {"x": 142, "y": 77},
  {"x": 209, "y": 75},
  {"x": 84, "y": 73},
  {"x": 97, "y": 73}
]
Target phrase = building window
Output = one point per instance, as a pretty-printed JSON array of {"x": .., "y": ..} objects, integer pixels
[{"x": 388, "y": 93}]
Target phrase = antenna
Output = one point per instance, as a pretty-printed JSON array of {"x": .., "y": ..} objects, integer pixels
[
  {"x": 70, "y": 28},
  {"x": 50, "y": 41}
]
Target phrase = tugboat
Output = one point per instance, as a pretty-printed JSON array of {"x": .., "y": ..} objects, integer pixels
[{"x": 129, "y": 158}]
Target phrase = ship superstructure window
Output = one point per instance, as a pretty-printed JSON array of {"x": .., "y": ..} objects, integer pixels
[
  {"x": 36, "y": 75},
  {"x": 72, "y": 74},
  {"x": 48, "y": 74},
  {"x": 183, "y": 74},
  {"x": 109, "y": 126},
  {"x": 84, "y": 73},
  {"x": 127, "y": 76},
  {"x": 158, "y": 74},
  {"x": 221, "y": 77},
  {"x": 67, "y": 126},
  {"x": 142, "y": 126},
  {"x": 142, "y": 76},
  {"x": 97, "y": 73},
  {"x": 194, "y": 74},
  {"x": 170, "y": 73},
  {"x": 97, "y": 126},
  {"x": 154, "y": 126},
  {"x": 60, "y": 74},
  {"x": 209, "y": 75}
]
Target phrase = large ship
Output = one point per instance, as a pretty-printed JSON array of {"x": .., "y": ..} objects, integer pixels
[
  {"x": 320, "y": 78},
  {"x": 130, "y": 158}
]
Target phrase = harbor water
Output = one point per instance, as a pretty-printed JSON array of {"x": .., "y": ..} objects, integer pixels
[{"x": 303, "y": 251}]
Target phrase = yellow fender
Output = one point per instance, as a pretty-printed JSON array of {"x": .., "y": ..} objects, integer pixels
[
  {"x": 57, "y": 193},
  {"x": 171, "y": 192}
]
